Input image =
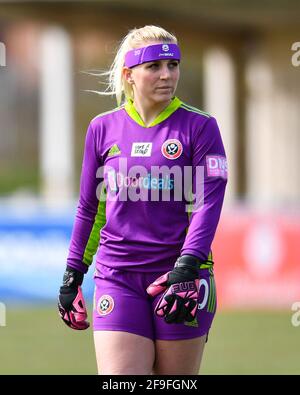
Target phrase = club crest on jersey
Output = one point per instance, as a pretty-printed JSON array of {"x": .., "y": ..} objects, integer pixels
[
  {"x": 172, "y": 149},
  {"x": 141, "y": 149},
  {"x": 105, "y": 305}
]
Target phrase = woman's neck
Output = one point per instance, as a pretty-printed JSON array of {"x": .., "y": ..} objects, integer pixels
[{"x": 149, "y": 111}]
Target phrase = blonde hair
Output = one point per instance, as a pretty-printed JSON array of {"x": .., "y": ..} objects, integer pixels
[{"x": 135, "y": 38}]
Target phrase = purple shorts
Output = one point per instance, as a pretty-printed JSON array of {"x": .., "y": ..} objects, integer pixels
[{"x": 121, "y": 303}]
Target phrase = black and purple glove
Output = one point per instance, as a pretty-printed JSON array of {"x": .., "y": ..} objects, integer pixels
[
  {"x": 179, "y": 302},
  {"x": 71, "y": 304}
]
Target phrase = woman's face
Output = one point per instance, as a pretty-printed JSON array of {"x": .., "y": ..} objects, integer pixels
[{"x": 154, "y": 82}]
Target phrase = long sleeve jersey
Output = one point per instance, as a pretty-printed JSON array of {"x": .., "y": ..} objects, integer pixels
[{"x": 148, "y": 194}]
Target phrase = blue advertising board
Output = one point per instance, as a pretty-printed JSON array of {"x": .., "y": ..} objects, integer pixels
[{"x": 33, "y": 250}]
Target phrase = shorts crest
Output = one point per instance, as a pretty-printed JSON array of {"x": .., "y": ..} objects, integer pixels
[{"x": 105, "y": 305}]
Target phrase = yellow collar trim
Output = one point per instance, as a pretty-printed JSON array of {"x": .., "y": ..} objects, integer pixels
[{"x": 132, "y": 112}]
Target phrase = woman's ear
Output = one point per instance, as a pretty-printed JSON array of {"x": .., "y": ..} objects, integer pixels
[{"x": 127, "y": 73}]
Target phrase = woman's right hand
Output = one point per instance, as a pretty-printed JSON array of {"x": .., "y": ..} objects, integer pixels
[{"x": 71, "y": 304}]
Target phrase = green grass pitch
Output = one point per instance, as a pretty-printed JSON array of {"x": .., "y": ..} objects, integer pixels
[{"x": 35, "y": 341}]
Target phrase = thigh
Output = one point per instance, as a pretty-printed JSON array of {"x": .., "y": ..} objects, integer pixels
[
  {"x": 123, "y": 353},
  {"x": 121, "y": 303},
  {"x": 174, "y": 357}
]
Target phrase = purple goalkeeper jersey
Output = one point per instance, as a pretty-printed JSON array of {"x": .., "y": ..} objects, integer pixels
[{"x": 148, "y": 194}]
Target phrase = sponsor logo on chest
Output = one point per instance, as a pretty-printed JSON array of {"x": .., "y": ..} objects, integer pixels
[{"x": 141, "y": 149}]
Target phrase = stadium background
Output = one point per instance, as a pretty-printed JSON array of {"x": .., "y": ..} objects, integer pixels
[{"x": 240, "y": 63}]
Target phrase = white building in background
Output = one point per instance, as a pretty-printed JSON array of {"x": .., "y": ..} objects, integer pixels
[
  {"x": 56, "y": 119},
  {"x": 220, "y": 101},
  {"x": 251, "y": 83},
  {"x": 273, "y": 124},
  {"x": 2, "y": 54}
]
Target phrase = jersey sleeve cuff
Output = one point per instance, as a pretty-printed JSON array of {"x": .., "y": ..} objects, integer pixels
[
  {"x": 195, "y": 253},
  {"x": 81, "y": 267}
]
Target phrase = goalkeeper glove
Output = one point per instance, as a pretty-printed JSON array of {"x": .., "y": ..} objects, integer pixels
[
  {"x": 71, "y": 305},
  {"x": 181, "y": 290}
]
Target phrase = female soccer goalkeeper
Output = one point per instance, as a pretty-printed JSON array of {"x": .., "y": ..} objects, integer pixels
[{"x": 152, "y": 187}]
